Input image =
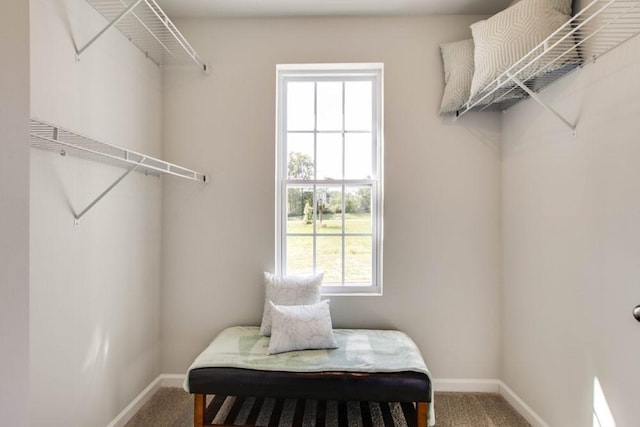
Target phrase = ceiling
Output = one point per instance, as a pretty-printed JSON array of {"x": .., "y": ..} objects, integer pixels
[{"x": 269, "y": 8}]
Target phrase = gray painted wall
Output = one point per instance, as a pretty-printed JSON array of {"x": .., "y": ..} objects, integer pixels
[
  {"x": 95, "y": 289},
  {"x": 568, "y": 212},
  {"x": 14, "y": 213},
  {"x": 442, "y": 189},
  {"x": 571, "y": 244}
]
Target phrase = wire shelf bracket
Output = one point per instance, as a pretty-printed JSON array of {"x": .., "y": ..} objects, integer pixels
[
  {"x": 48, "y": 137},
  {"x": 602, "y": 25},
  {"x": 104, "y": 193},
  {"x": 146, "y": 25},
  {"x": 544, "y": 105}
]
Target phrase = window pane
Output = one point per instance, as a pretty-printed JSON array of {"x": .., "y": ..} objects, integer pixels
[
  {"x": 358, "y": 210},
  {"x": 329, "y": 160},
  {"x": 329, "y": 216},
  {"x": 357, "y": 152},
  {"x": 330, "y": 106},
  {"x": 300, "y": 155},
  {"x": 300, "y": 112},
  {"x": 299, "y": 209},
  {"x": 328, "y": 190},
  {"x": 299, "y": 255},
  {"x": 329, "y": 259},
  {"x": 358, "y": 105},
  {"x": 357, "y": 260}
]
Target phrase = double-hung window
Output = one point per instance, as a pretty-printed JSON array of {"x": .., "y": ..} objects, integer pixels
[{"x": 329, "y": 183}]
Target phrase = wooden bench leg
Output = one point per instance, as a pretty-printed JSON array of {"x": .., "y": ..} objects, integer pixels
[
  {"x": 422, "y": 414},
  {"x": 199, "y": 405}
]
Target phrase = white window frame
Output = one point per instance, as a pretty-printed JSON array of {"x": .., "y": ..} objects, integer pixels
[{"x": 344, "y": 72}]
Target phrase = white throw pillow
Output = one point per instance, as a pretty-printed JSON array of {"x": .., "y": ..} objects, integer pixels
[
  {"x": 288, "y": 290},
  {"x": 506, "y": 37},
  {"x": 457, "y": 58},
  {"x": 301, "y": 327}
]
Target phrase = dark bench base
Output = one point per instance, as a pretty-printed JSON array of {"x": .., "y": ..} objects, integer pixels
[
  {"x": 204, "y": 415},
  {"x": 411, "y": 387}
]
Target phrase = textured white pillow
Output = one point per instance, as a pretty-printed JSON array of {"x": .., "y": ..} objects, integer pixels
[
  {"x": 457, "y": 58},
  {"x": 288, "y": 290},
  {"x": 506, "y": 37},
  {"x": 301, "y": 327}
]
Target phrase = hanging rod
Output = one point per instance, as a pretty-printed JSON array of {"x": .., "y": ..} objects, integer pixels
[
  {"x": 146, "y": 25},
  {"x": 599, "y": 27},
  {"x": 48, "y": 137}
]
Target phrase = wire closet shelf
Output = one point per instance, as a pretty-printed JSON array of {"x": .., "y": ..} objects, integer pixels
[
  {"x": 49, "y": 137},
  {"x": 595, "y": 30},
  {"x": 146, "y": 25}
]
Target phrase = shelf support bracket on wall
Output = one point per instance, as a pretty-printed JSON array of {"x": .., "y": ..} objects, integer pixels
[
  {"x": 544, "y": 105},
  {"x": 105, "y": 192},
  {"x": 149, "y": 29},
  {"x": 105, "y": 29},
  {"x": 52, "y": 138}
]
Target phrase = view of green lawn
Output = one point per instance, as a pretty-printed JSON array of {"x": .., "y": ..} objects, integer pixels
[{"x": 329, "y": 248}]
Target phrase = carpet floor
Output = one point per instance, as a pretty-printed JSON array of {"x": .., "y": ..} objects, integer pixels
[{"x": 173, "y": 407}]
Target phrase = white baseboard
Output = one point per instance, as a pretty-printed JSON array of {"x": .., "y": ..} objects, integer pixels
[
  {"x": 163, "y": 380},
  {"x": 135, "y": 405},
  {"x": 466, "y": 385},
  {"x": 441, "y": 385},
  {"x": 522, "y": 408},
  {"x": 172, "y": 380},
  {"x": 490, "y": 386}
]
